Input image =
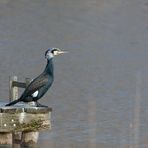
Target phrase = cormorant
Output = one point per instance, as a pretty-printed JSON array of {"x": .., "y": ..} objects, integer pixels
[{"x": 39, "y": 86}]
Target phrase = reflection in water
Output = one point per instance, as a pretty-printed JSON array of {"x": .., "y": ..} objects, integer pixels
[{"x": 98, "y": 99}]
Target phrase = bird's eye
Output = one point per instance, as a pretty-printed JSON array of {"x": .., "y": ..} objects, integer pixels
[{"x": 54, "y": 51}]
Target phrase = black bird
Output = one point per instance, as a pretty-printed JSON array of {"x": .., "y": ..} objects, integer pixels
[{"x": 39, "y": 86}]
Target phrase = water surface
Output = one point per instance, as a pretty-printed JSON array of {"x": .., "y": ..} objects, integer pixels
[{"x": 99, "y": 97}]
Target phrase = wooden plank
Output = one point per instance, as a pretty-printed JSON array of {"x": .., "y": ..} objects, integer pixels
[
  {"x": 18, "y": 84},
  {"x": 11, "y": 110},
  {"x": 21, "y": 84}
]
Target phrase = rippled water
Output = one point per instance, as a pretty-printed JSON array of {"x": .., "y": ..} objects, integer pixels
[{"x": 100, "y": 94}]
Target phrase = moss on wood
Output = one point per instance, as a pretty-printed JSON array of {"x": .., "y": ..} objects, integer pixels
[{"x": 33, "y": 125}]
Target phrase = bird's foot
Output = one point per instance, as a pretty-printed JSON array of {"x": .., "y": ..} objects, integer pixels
[{"x": 40, "y": 105}]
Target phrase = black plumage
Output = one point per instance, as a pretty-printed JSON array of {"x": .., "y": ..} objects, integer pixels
[{"x": 39, "y": 86}]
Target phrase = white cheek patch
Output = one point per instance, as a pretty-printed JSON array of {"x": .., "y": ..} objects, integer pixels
[
  {"x": 35, "y": 94},
  {"x": 55, "y": 52}
]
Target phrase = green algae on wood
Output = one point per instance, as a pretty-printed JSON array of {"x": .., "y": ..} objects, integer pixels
[
  {"x": 24, "y": 119},
  {"x": 33, "y": 125}
]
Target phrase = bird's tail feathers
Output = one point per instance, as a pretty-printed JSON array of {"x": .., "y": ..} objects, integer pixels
[{"x": 13, "y": 102}]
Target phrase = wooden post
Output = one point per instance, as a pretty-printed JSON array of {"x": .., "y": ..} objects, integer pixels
[
  {"x": 13, "y": 90},
  {"x": 29, "y": 138},
  {"x": 20, "y": 125},
  {"x": 13, "y": 95},
  {"x": 6, "y": 137},
  {"x": 26, "y": 119}
]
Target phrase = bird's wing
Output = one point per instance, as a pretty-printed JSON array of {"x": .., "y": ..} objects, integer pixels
[{"x": 35, "y": 85}]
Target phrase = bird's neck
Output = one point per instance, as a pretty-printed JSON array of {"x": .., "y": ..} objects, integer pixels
[{"x": 49, "y": 67}]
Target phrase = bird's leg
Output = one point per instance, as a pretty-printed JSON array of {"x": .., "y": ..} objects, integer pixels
[{"x": 40, "y": 105}]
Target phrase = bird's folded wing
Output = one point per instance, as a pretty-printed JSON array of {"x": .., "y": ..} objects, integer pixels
[{"x": 36, "y": 84}]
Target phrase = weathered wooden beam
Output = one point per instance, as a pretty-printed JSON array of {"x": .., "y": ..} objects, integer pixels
[
  {"x": 18, "y": 84},
  {"x": 15, "y": 83},
  {"x": 21, "y": 118}
]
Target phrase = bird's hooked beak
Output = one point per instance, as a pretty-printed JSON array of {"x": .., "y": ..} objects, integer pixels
[{"x": 61, "y": 52}]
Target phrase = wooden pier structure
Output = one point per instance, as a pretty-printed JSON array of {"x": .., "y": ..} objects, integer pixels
[{"x": 20, "y": 124}]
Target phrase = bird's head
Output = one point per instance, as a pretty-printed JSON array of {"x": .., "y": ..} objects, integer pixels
[{"x": 51, "y": 52}]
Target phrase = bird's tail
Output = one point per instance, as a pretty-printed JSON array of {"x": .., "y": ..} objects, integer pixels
[{"x": 13, "y": 102}]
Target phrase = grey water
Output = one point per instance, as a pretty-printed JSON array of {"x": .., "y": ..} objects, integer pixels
[{"x": 100, "y": 93}]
